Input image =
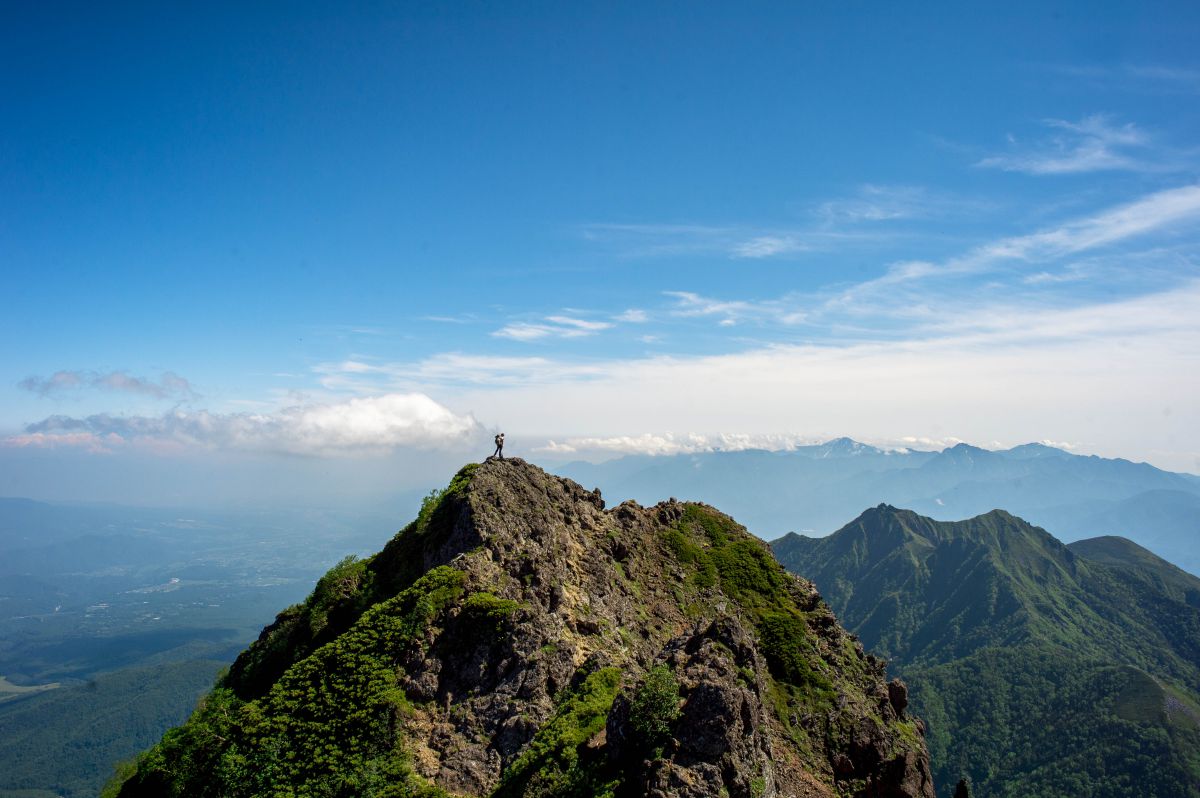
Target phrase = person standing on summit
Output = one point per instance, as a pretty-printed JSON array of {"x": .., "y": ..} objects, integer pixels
[{"x": 499, "y": 446}]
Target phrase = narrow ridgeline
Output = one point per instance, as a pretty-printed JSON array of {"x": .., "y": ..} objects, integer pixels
[{"x": 517, "y": 639}]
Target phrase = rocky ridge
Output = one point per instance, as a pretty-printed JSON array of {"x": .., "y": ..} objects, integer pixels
[{"x": 520, "y": 639}]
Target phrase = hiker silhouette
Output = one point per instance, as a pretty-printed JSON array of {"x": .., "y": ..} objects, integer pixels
[{"x": 499, "y": 446}]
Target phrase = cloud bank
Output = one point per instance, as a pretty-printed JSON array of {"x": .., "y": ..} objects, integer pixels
[
  {"x": 668, "y": 443},
  {"x": 364, "y": 425}
]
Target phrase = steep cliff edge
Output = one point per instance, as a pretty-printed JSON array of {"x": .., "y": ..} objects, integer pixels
[{"x": 517, "y": 639}]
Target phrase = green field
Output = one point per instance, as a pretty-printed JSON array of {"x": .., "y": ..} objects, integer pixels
[{"x": 10, "y": 691}]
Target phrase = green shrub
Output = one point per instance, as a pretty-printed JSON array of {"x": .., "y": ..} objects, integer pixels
[
  {"x": 552, "y": 765},
  {"x": 790, "y": 652},
  {"x": 655, "y": 706},
  {"x": 688, "y": 553},
  {"x": 491, "y": 607}
]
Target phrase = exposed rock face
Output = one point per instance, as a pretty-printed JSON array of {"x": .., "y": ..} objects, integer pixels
[
  {"x": 530, "y": 671},
  {"x": 723, "y": 740}
]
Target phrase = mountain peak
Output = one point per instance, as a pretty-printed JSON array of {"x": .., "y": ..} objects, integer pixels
[
  {"x": 520, "y": 639},
  {"x": 1028, "y": 451},
  {"x": 844, "y": 447}
]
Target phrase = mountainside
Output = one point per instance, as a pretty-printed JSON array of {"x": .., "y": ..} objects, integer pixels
[
  {"x": 1042, "y": 669},
  {"x": 62, "y": 743},
  {"x": 519, "y": 640},
  {"x": 817, "y": 489},
  {"x": 1136, "y": 563}
]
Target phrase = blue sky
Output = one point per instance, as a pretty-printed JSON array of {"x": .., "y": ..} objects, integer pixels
[{"x": 300, "y": 231}]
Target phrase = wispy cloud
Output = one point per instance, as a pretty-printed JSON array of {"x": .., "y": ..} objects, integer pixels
[
  {"x": 1150, "y": 213},
  {"x": 689, "y": 304},
  {"x": 1155, "y": 78},
  {"x": 871, "y": 203},
  {"x": 551, "y": 327},
  {"x": 735, "y": 242},
  {"x": 365, "y": 425},
  {"x": 911, "y": 296},
  {"x": 1156, "y": 212},
  {"x": 524, "y": 331},
  {"x": 169, "y": 386},
  {"x": 450, "y": 369},
  {"x": 857, "y": 218},
  {"x": 1095, "y": 143},
  {"x": 768, "y": 246}
]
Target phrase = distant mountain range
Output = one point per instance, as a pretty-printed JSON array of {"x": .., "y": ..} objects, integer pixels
[
  {"x": 817, "y": 489},
  {"x": 1041, "y": 669}
]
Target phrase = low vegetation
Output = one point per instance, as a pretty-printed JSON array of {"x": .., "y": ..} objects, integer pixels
[{"x": 555, "y": 763}]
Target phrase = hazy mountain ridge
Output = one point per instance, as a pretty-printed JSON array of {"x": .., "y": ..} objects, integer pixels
[
  {"x": 518, "y": 639},
  {"x": 817, "y": 489},
  {"x": 1023, "y": 652}
]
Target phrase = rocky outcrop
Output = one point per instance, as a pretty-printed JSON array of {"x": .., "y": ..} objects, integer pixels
[
  {"x": 527, "y": 641},
  {"x": 721, "y": 743}
]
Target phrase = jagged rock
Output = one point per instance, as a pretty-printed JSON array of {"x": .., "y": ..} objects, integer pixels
[
  {"x": 551, "y": 615},
  {"x": 898, "y": 696},
  {"x": 720, "y": 743}
]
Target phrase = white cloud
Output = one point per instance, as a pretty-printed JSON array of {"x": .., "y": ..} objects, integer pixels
[
  {"x": 355, "y": 367},
  {"x": 522, "y": 331},
  {"x": 766, "y": 246},
  {"x": 552, "y": 326},
  {"x": 1146, "y": 214},
  {"x": 1151, "y": 213},
  {"x": 578, "y": 326},
  {"x": 362, "y": 425},
  {"x": 633, "y": 316},
  {"x": 881, "y": 203},
  {"x": 1093, "y": 144},
  {"x": 1122, "y": 376},
  {"x": 883, "y": 298},
  {"x": 688, "y": 303},
  {"x": 451, "y": 368},
  {"x": 730, "y": 241},
  {"x": 669, "y": 443}
]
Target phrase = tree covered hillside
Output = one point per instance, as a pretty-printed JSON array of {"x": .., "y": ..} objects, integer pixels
[{"x": 1043, "y": 669}]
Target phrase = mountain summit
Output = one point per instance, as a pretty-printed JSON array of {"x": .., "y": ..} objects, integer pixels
[{"x": 517, "y": 639}]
